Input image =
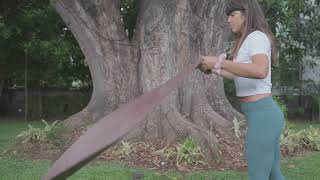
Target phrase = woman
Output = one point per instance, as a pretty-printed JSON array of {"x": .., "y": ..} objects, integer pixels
[{"x": 253, "y": 52}]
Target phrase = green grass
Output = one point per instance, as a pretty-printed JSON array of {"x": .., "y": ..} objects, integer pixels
[
  {"x": 296, "y": 125},
  {"x": 14, "y": 169},
  {"x": 304, "y": 167},
  {"x": 9, "y": 129}
]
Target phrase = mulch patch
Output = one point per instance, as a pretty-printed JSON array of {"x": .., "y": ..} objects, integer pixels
[{"x": 147, "y": 154}]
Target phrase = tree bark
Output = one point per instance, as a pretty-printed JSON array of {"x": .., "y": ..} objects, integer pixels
[{"x": 170, "y": 35}]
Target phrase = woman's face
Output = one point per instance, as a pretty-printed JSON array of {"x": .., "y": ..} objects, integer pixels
[{"x": 236, "y": 21}]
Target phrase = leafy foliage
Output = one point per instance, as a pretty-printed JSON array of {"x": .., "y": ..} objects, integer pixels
[
  {"x": 237, "y": 125},
  {"x": 296, "y": 26},
  {"x": 170, "y": 153},
  {"x": 188, "y": 152},
  {"x": 295, "y": 140},
  {"x": 282, "y": 106},
  {"x": 306, "y": 138},
  {"x": 48, "y": 133},
  {"x": 56, "y": 59},
  {"x": 126, "y": 148},
  {"x": 32, "y": 31},
  {"x": 312, "y": 138},
  {"x": 291, "y": 139},
  {"x": 129, "y": 11}
]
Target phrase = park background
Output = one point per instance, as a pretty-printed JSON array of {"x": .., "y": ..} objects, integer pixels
[{"x": 44, "y": 77}]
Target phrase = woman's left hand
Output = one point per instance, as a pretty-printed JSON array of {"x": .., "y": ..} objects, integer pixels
[{"x": 209, "y": 61}]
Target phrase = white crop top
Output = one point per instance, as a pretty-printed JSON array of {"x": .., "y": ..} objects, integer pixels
[{"x": 256, "y": 42}]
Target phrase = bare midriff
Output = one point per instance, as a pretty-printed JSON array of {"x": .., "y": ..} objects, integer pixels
[{"x": 254, "y": 98}]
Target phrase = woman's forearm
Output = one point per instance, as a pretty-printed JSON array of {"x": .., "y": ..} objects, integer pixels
[
  {"x": 226, "y": 74},
  {"x": 244, "y": 70}
]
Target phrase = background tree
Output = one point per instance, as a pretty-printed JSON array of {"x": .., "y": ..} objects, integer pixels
[
  {"x": 133, "y": 46},
  {"x": 168, "y": 36},
  {"x": 296, "y": 25},
  {"x": 54, "y": 57},
  {"x": 37, "y": 52}
]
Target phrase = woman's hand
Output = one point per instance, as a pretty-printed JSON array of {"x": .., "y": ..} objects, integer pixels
[
  {"x": 211, "y": 64},
  {"x": 209, "y": 61},
  {"x": 207, "y": 64}
]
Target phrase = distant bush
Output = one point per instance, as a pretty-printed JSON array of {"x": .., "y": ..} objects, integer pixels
[
  {"x": 48, "y": 134},
  {"x": 295, "y": 140},
  {"x": 282, "y": 106},
  {"x": 306, "y": 138}
]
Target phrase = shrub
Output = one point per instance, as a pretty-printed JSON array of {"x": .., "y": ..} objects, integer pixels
[
  {"x": 311, "y": 138},
  {"x": 126, "y": 148},
  {"x": 170, "y": 153},
  {"x": 188, "y": 152},
  {"x": 299, "y": 111},
  {"x": 307, "y": 138},
  {"x": 291, "y": 139},
  {"x": 48, "y": 133},
  {"x": 282, "y": 106},
  {"x": 237, "y": 125}
]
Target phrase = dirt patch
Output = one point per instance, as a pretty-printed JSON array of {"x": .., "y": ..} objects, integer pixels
[
  {"x": 35, "y": 151},
  {"x": 148, "y": 155}
]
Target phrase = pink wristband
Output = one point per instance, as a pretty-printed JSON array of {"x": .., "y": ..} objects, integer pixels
[{"x": 217, "y": 66}]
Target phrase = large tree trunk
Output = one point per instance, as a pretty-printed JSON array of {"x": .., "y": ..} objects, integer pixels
[{"x": 170, "y": 35}]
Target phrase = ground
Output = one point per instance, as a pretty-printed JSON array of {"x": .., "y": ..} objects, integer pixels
[
  {"x": 304, "y": 165},
  {"x": 145, "y": 155},
  {"x": 148, "y": 155}
]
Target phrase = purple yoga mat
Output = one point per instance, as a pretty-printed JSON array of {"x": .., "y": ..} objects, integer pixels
[{"x": 111, "y": 128}]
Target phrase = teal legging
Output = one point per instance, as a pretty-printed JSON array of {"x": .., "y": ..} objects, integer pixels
[{"x": 265, "y": 122}]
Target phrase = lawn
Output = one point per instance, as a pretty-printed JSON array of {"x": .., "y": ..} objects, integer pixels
[
  {"x": 296, "y": 125},
  {"x": 9, "y": 129},
  {"x": 304, "y": 167}
]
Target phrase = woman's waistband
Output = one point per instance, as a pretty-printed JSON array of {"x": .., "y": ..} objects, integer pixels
[{"x": 266, "y": 102}]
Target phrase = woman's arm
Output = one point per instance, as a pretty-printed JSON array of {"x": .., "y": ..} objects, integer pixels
[
  {"x": 258, "y": 69},
  {"x": 224, "y": 74}
]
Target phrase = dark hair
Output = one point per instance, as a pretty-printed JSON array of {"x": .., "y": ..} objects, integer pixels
[
  {"x": 233, "y": 7},
  {"x": 255, "y": 20}
]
